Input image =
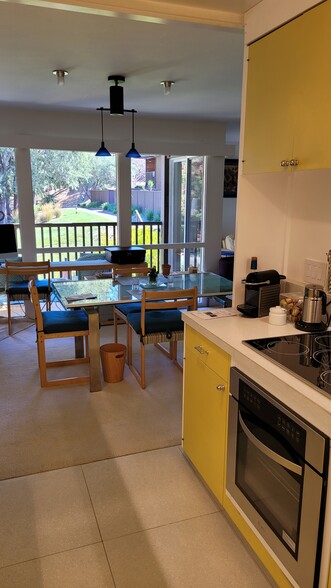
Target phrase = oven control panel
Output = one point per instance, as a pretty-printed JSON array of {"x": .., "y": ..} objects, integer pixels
[{"x": 261, "y": 409}]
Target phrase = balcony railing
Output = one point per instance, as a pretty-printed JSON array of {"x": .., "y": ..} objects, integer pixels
[{"x": 61, "y": 242}]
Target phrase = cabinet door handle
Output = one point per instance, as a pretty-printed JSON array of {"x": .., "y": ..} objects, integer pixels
[
  {"x": 201, "y": 350},
  {"x": 220, "y": 387},
  {"x": 284, "y": 163},
  {"x": 294, "y": 162}
]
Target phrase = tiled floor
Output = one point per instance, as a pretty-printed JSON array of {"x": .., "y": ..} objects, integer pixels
[{"x": 138, "y": 521}]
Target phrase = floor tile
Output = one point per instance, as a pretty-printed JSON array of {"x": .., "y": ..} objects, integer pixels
[
  {"x": 145, "y": 490},
  {"x": 44, "y": 514},
  {"x": 86, "y": 567},
  {"x": 200, "y": 552}
]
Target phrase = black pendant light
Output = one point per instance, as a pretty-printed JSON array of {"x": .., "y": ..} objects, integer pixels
[
  {"x": 103, "y": 151},
  {"x": 116, "y": 108},
  {"x": 133, "y": 153},
  {"x": 116, "y": 97}
]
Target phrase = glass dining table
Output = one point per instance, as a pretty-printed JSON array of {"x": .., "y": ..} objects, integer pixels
[{"x": 92, "y": 294}]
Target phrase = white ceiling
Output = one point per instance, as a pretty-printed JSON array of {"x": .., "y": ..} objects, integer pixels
[{"x": 204, "y": 61}]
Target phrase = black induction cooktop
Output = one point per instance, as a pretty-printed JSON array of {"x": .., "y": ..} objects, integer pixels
[{"x": 307, "y": 356}]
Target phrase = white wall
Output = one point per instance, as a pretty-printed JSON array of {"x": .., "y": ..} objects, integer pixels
[
  {"x": 262, "y": 224},
  {"x": 49, "y": 129},
  {"x": 310, "y": 234}
]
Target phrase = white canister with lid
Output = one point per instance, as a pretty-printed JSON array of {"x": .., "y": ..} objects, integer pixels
[{"x": 277, "y": 315}]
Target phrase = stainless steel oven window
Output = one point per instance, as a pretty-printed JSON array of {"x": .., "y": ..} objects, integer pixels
[{"x": 274, "y": 489}]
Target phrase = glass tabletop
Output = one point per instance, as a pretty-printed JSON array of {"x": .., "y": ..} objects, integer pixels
[{"x": 106, "y": 291}]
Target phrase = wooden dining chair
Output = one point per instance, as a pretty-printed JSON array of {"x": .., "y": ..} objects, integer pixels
[
  {"x": 122, "y": 310},
  {"x": 159, "y": 321},
  {"x": 18, "y": 274},
  {"x": 57, "y": 324}
]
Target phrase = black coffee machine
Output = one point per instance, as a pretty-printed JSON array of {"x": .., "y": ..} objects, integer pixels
[{"x": 262, "y": 291}]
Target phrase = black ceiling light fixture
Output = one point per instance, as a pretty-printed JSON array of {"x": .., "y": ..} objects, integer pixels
[
  {"x": 116, "y": 95},
  {"x": 133, "y": 153},
  {"x": 103, "y": 151},
  {"x": 116, "y": 108}
]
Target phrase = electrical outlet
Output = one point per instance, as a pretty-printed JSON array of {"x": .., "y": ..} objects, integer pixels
[{"x": 315, "y": 272}]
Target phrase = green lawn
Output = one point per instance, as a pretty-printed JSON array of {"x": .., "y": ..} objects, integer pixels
[
  {"x": 71, "y": 215},
  {"x": 84, "y": 236}
]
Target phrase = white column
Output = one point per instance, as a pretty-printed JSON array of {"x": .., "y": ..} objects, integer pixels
[
  {"x": 124, "y": 200},
  {"x": 25, "y": 203},
  {"x": 213, "y": 211}
]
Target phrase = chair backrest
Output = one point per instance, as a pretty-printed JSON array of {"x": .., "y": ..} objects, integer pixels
[
  {"x": 129, "y": 271},
  {"x": 160, "y": 300},
  {"x": 36, "y": 304},
  {"x": 28, "y": 269}
]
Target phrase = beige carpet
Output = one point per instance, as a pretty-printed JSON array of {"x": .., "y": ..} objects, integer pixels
[
  {"x": 46, "y": 429},
  {"x": 20, "y": 320}
]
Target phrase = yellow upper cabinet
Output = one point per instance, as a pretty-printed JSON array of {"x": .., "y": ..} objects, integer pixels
[
  {"x": 312, "y": 140},
  {"x": 287, "y": 123}
]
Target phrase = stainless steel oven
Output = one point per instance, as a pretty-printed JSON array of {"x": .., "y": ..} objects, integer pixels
[{"x": 277, "y": 475}]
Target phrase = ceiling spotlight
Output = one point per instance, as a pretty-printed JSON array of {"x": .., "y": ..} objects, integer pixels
[
  {"x": 167, "y": 86},
  {"x": 60, "y": 75}
]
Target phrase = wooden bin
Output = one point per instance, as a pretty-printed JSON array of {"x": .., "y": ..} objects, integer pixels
[{"x": 113, "y": 361}]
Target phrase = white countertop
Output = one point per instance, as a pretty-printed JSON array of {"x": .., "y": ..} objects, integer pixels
[{"x": 229, "y": 332}]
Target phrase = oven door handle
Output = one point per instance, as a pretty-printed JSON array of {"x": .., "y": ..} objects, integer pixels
[{"x": 289, "y": 465}]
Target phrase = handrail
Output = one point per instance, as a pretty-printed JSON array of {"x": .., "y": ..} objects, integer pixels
[{"x": 61, "y": 241}]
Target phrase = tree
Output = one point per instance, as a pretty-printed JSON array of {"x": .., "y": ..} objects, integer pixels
[
  {"x": 8, "y": 194},
  {"x": 54, "y": 171}
]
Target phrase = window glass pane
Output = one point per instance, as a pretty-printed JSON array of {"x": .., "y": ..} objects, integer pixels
[
  {"x": 64, "y": 181},
  {"x": 72, "y": 190},
  {"x": 185, "y": 209},
  {"x": 147, "y": 205},
  {"x": 10, "y": 240},
  {"x": 195, "y": 198},
  {"x": 8, "y": 192}
]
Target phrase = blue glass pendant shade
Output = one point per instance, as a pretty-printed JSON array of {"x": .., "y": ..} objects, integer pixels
[
  {"x": 103, "y": 151},
  {"x": 133, "y": 153}
]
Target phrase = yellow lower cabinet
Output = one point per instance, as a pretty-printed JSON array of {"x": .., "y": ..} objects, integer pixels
[{"x": 205, "y": 417}]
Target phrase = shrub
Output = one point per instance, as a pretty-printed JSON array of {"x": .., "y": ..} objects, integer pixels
[
  {"x": 57, "y": 211},
  {"x": 47, "y": 212},
  {"x": 149, "y": 215},
  {"x": 110, "y": 207},
  {"x": 95, "y": 204}
]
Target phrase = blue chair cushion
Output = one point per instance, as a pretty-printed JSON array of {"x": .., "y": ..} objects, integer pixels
[
  {"x": 157, "y": 321},
  {"x": 64, "y": 321},
  {"x": 23, "y": 287},
  {"x": 128, "y": 307}
]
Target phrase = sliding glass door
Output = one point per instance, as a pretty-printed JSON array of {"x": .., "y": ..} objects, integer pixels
[{"x": 186, "y": 193}]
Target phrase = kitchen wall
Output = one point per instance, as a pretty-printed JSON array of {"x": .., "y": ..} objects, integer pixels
[
  {"x": 310, "y": 234},
  {"x": 282, "y": 218}
]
